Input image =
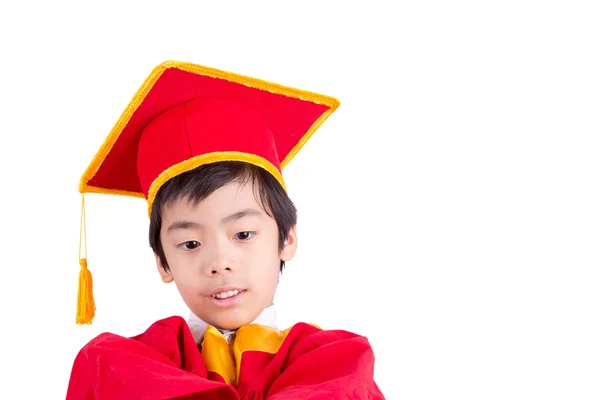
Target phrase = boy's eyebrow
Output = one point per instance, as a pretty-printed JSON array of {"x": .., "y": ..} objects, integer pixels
[
  {"x": 182, "y": 225},
  {"x": 248, "y": 212}
]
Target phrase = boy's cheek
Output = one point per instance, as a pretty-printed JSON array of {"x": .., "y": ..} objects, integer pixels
[{"x": 186, "y": 283}]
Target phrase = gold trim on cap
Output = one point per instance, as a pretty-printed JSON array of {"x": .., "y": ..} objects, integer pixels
[{"x": 208, "y": 158}]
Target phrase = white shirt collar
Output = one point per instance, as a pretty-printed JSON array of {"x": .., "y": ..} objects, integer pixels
[{"x": 267, "y": 318}]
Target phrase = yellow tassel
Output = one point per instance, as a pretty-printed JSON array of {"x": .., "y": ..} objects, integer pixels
[{"x": 86, "y": 307}]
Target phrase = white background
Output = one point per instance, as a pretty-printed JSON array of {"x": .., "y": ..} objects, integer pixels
[{"x": 449, "y": 210}]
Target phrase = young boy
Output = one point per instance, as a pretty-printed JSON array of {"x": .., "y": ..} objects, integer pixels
[{"x": 206, "y": 149}]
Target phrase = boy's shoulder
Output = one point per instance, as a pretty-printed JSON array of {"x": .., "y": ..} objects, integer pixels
[
  {"x": 302, "y": 336},
  {"x": 306, "y": 356},
  {"x": 173, "y": 334}
]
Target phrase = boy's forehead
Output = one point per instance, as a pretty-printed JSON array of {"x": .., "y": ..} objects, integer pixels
[{"x": 229, "y": 198}]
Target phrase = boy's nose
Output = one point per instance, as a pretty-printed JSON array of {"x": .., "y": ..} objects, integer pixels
[
  {"x": 219, "y": 264},
  {"x": 219, "y": 269}
]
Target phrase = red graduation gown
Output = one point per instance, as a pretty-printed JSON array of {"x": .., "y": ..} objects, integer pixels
[{"x": 302, "y": 362}]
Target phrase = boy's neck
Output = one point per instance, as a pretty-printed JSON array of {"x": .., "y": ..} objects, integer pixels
[{"x": 198, "y": 327}]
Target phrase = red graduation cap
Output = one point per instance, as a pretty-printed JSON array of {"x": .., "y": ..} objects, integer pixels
[{"x": 186, "y": 115}]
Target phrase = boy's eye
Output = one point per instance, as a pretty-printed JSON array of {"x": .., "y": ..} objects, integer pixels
[
  {"x": 245, "y": 235},
  {"x": 190, "y": 244}
]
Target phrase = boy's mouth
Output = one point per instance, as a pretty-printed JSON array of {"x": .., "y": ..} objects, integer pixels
[
  {"x": 227, "y": 298},
  {"x": 226, "y": 294}
]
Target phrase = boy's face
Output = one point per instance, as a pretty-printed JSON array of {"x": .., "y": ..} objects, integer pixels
[{"x": 223, "y": 255}]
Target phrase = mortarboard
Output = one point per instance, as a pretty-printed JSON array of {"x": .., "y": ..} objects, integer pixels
[{"x": 185, "y": 115}]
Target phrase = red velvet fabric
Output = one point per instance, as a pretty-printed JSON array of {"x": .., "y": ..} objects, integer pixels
[
  {"x": 230, "y": 128},
  {"x": 165, "y": 363},
  {"x": 202, "y": 126}
]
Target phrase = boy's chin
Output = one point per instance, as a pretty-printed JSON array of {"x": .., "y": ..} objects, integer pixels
[
  {"x": 231, "y": 322},
  {"x": 231, "y": 325}
]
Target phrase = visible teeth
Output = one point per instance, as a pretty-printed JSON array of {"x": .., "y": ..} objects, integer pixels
[{"x": 224, "y": 295}]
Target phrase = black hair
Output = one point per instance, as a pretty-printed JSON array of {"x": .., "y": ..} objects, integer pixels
[{"x": 201, "y": 182}]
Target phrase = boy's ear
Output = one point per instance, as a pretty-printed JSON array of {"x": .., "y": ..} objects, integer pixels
[
  {"x": 165, "y": 275},
  {"x": 290, "y": 245}
]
